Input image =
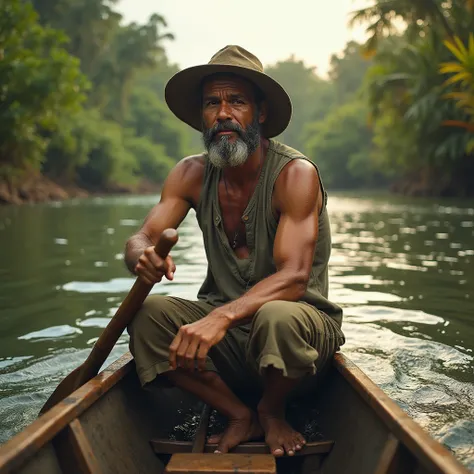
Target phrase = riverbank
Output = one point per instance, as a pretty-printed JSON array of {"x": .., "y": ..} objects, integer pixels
[{"x": 39, "y": 188}]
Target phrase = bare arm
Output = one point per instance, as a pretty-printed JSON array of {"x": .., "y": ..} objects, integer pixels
[
  {"x": 298, "y": 199},
  {"x": 180, "y": 193}
]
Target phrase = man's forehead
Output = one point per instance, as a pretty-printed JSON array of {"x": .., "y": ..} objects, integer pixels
[{"x": 228, "y": 82}]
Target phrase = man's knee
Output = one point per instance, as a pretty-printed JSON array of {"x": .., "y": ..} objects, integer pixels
[
  {"x": 276, "y": 313},
  {"x": 153, "y": 311}
]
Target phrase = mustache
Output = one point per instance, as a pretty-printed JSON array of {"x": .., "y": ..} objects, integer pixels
[{"x": 226, "y": 126}]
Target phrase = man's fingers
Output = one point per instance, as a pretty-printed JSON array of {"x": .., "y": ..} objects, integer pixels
[
  {"x": 170, "y": 268},
  {"x": 202, "y": 355},
  {"x": 147, "y": 277},
  {"x": 190, "y": 356},
  {"x": 181, "y": 351},
  {"x": 153, "y": 261},
  {"x": 173, "y": 349},
  {"x": 144, "y": 265}
]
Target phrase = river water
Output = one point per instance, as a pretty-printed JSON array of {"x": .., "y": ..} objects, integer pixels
[{"x": 403, "y": 270}]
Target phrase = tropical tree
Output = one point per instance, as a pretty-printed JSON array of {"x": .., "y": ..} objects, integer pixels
[
  {"x": 149, "y": 117},
  {"x": 89, "y": 25},
  {"x": 39, "y": 82},
  {"x": 347, "y": 72},
  {"x": 312, "y": 97},
  {"x": 462, "y": 76},
  {"x": 134, "y": 48},
  {"x": 389, "y": 17},
  {"x": 405, "y": 93},
  {"x": 341, "y": 147}
]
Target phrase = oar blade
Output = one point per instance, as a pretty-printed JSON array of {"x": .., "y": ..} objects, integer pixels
[{"x": 64, "y": 389}]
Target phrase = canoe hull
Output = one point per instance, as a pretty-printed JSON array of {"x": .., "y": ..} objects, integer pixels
[{"x": 106, "y": 427}]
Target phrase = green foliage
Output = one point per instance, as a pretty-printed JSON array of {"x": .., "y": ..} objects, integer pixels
[
  {"x": 125, "y": 133},
  {"x": 109, "y": 161},
  {"x": 91, "y": 150},
  {"x": 89, "y": 24},
  {"x": 132, "y": 49},
  {"x": 348, "y": 71},
  {"x": 311, "y": 97},
  {"x": 463, "y": 78},
  {"x": 389, "y": 17},
  {"x": 150, "y": 117},
  {"x": 101, "y": 154},
  {"x": 341, "y": 146},
  {"x": 151, "y": 159},
  {"x": 464, "y": 68},
  {"x": 397, "y": 114},
  {"x": 39, "y": 82},
  {"x": 407, "y": 99},
  {"x": 329, "y": 121}
]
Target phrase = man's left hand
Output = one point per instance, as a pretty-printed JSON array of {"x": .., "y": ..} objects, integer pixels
[{"x": 193, "y": 341}]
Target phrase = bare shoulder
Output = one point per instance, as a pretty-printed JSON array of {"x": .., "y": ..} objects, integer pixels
[
  {"x": 297, "y": 185},
  {"x": 185, "y": 179},
  {"x": 299, "y": 175},
  {"x": 191, "y": 167}
]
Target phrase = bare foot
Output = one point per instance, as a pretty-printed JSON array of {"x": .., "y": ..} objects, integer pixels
[
  {"x": 279, "y": 435},
  {"x": 239, "y": 430}
]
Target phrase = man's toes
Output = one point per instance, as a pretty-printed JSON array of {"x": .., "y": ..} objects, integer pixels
[
  {"x": 290, "y": 448},
  {"x": 222, "y": 448},
  {"x": 276, "y": 449},
  {"x": 299, "y": 442},
  {"x": 215, "y": 439}
]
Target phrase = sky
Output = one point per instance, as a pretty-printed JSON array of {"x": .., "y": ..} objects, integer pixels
[{"x": 311, "y": 30}]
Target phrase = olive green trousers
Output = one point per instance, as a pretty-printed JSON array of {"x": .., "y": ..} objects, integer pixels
[{"x": 291, "y": 336}]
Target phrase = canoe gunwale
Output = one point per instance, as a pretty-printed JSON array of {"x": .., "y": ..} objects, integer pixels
[
  {"x": 432, "y": 454},
  {"x": 22, "y": 447}
]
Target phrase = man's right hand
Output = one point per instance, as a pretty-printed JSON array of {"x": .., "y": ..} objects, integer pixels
[{"x": 151, "y": 268}]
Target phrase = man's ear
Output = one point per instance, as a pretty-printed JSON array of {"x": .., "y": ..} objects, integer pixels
[{"x": 262, "y": 112}]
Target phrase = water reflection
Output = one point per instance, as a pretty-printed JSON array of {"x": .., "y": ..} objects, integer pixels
[{"x": 402, "y": 270}]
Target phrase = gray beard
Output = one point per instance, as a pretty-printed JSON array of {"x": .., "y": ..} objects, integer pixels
[{"x": 222, "y": 153}]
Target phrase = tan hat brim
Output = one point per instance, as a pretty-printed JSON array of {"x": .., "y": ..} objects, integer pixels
[{"x": 183, "y": 96}]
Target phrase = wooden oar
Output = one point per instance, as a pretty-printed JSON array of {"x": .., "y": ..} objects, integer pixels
[
  {"x": 106, "y": 342},
  {"x": 200, "y": 437}
]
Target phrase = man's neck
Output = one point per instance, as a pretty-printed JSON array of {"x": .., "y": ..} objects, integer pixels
[{"x": 241, "y": 175}]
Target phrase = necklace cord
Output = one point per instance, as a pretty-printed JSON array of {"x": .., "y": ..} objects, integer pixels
[{"x": 236, "y": 232}]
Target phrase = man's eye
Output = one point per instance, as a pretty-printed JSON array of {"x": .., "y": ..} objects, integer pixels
[{"x": 238, "y": 101}]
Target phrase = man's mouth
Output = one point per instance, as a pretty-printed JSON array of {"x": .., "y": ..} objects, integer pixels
[{"x": 225, "y": 133}]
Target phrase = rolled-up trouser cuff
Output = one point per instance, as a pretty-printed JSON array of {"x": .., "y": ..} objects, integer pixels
[
  {"x": 277, "y": 362},
  {"x": 149, "y": 374}
]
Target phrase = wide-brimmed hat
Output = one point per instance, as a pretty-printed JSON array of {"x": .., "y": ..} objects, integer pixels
[{"x": 183, "y": 93}]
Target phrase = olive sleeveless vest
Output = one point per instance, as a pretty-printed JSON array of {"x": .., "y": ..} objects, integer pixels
[{"x": 228, "y": 277}]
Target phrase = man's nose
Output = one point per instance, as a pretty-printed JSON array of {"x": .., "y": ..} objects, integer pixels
[{"x": 224, "y": 112}]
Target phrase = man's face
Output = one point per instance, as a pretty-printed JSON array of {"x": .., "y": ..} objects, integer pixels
[{"x": 231, "y": 120}]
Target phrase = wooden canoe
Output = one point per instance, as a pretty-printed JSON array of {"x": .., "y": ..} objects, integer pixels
[{"x": 107, "y": 426}]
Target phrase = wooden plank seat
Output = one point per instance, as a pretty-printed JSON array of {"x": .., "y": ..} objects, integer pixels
[
  {"x": 166, "y": 446},
  {"x": 191, "y": 463}
]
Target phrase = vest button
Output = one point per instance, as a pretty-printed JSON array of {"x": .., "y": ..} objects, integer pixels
[{"x": 245, "y": 218}]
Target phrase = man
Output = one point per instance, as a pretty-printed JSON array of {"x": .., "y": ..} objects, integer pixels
[{"x": 262, "y": 315}]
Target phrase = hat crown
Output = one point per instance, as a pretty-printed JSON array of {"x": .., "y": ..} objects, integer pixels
[{"x": 233, "y": 55}]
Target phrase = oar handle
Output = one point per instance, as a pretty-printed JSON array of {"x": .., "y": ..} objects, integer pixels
[
  {"x": 129, "y": 307},
  {"x": 166, "y": 242}
]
